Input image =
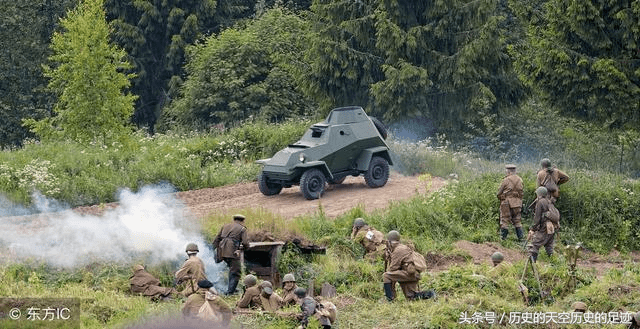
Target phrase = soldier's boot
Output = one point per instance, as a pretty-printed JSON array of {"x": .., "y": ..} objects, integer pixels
[
  {"x": 233, "y": 284},
  {"x": 388, "y": 292},
  {"x": 504, "y": 232},
  {"x": 519, "y": 233}
]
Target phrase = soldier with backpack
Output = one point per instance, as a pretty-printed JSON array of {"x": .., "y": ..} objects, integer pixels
[
  {"x": 546, "y": 220},
  {"x": 551, "y": 177},
  {"x": 403, "y": 266},
  {"x": 207, "y": 306},
  {"x": 371, "y": 239}
]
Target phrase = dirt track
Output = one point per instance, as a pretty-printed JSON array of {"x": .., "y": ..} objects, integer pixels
[{"x": 290, "y": 203}]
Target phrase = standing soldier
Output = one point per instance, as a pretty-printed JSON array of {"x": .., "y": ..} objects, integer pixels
[
  {"x": 371, "y": 239},
  {"x": 288, "y": 290},
  {"x": 550, "y": 177},
  {"x": 510, "y": 196},
  {"x": 191, "y": 271},
  {"x": 538, "y": 232},
  {"x": 229, "y": 243},
  {"x": 144, "y": 283},
  {"x": 402, "y": 270}
]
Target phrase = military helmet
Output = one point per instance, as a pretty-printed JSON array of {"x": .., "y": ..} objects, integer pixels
[
  {"x": 579, "y": 307},
  {"x": 250, "y": 280},
  {"x": 545, "y": 163},
  {"x": 497, "y": 257},
  {"x": 300, "y": 292},
  {"x": 393, "y": 235},
  {"x": 192, "y": 247},
  {"x": 137, "y": 267},
  {"x": 541, "y": 191},
  {"x": 636, "y": 317},
  {"x": 289, "y": 278},
  {"x": 359, "y": 222}
]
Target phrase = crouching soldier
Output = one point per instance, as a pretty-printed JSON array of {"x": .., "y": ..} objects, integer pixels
[
  {"x": 401, "y": 269},
  {"x": 251, "y": 296},
  {"x": 205, "y": 305},
  {"x": 371, "y": 239},
  {"x": 269, "y": 300},
  {"x": 142, "y": 282},
  {"x": 324, "y": 311}
]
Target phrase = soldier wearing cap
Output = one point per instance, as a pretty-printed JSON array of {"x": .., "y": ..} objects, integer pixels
[
  {"x": 229, "y": 244},
  {"x": 191, "y": 271},
  {"x": 269, "y": 300},
  {"x": 510, "y": 196}
]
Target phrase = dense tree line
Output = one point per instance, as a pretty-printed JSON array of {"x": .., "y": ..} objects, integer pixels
[{"x": 460, "y": 64}]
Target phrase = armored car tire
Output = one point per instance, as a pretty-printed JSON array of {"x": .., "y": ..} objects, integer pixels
[
  {"x": 312, "y": 183},
  {"x": 378, "y": 172},
  {"x": 266, "y": 187}
]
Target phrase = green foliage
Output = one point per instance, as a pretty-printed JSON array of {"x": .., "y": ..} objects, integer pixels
[
  {"x": 87, "y": 77},
  {"x": 244, "y": 72},
  {"x": 442, "y": 60},
  {"x": 581, "y": 56},
  {"x": 79, "y": 174}
]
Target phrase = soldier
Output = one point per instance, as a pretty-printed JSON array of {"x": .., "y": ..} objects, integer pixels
[
  {"x": 269, "y": 300},
  {"x": 325, "y": 311},
  {"x": 538, "y": 232},
  {"x": 216, "y": 309},
  {"x": 191, "y": 271},
  {"x": 288, "y": 290},
  {"x": 400, "y": 269},
  {"x": 550, "y": 177},
  {"x": 635, "y": 321},
  {"x": 251, "y": 296},
  {"x": 510, "y": 196},
  {"x": 229, "y": 243},
  {"x": 579, "y": 307},
  {"x": 371, "y": 239},
  {"x": 142, "y": 282},
  {"x": 497, "y": 258}
]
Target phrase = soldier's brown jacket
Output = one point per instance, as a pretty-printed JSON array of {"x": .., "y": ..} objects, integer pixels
[{"x": 230, "y": 238}]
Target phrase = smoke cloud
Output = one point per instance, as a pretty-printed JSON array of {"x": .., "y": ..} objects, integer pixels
[{"x": 151, "y": 225}]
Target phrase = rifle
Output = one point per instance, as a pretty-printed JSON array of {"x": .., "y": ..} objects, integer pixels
[{"x": 387, "y": 254}]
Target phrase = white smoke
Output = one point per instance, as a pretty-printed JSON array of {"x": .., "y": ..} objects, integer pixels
[{"x": 151, "y": 225}]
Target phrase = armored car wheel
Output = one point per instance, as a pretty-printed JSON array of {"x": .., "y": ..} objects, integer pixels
[
  {"x": 312, "y": 183},
  {"x": 266, "y": 187},
  {"x": 378, "y": 172}
]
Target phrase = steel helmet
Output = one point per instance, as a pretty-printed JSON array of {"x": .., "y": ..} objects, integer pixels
[
  {"x": 579, "y": 307},
  {"x": 359, "y": 222},
  {"x": 192, "y": 247},
  {"x": 393, "y": 236},
  {"x": 300, "y": 292},
  {"x": 541, "y": 191},
  {"x": 497, "y": 258},
  {"x": 545, "y": 163},
  {"x": 289, "y": 278},
  {"x": 250, "y": 280}
]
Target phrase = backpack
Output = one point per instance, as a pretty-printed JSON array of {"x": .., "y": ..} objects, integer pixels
[
  {"x": 418, "y": 261},
  {"x": 207, "y": 313},
  {"x": 553, "y": 214},
  {"x": 550, "y": 183}
]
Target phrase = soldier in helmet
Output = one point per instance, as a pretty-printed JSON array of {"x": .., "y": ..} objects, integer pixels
[
  {"x": 510, "y": 196},
  {"x": 325, "y": 311},
  {"x": 191, "y": 271},
  {"x": 289, "y": 286},
  {"x": 497, "y": 258},
  {"x": 538, "y": 231},
  {"x": 551, "y": 177},
  {"x": 142, "y": 282},
  {"x": 400, "y": 269},
  {"x": 229, "y": 243},
  {"x": 251, "y": 296},
  {"x": 371, "y": 239}
]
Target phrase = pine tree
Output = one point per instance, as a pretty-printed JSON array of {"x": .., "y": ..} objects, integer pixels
[
  {"x": 87, "y": 76},
  {"x": 583, "y": 57}
]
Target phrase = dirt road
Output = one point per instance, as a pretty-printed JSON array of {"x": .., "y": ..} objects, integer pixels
[{"x": 290, "y": 203}]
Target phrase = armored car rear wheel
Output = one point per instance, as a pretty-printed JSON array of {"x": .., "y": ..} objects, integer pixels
[
  {"x": 312, "y": 184},
  {"x": 378, "y": 172},
  {"x": 266, "y": 187}
]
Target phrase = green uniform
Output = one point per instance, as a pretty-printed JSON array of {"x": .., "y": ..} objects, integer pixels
[{"x": 510, "y": 195}]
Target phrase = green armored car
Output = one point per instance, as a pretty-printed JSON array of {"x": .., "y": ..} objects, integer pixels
[{"x": 348, "y": 142}]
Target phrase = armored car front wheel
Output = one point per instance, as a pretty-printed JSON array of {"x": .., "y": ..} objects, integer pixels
[
  {"x": 378, "y": 172},
  {"x": 312, "y": 183},
  {"x": 266, "y": 187}
]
